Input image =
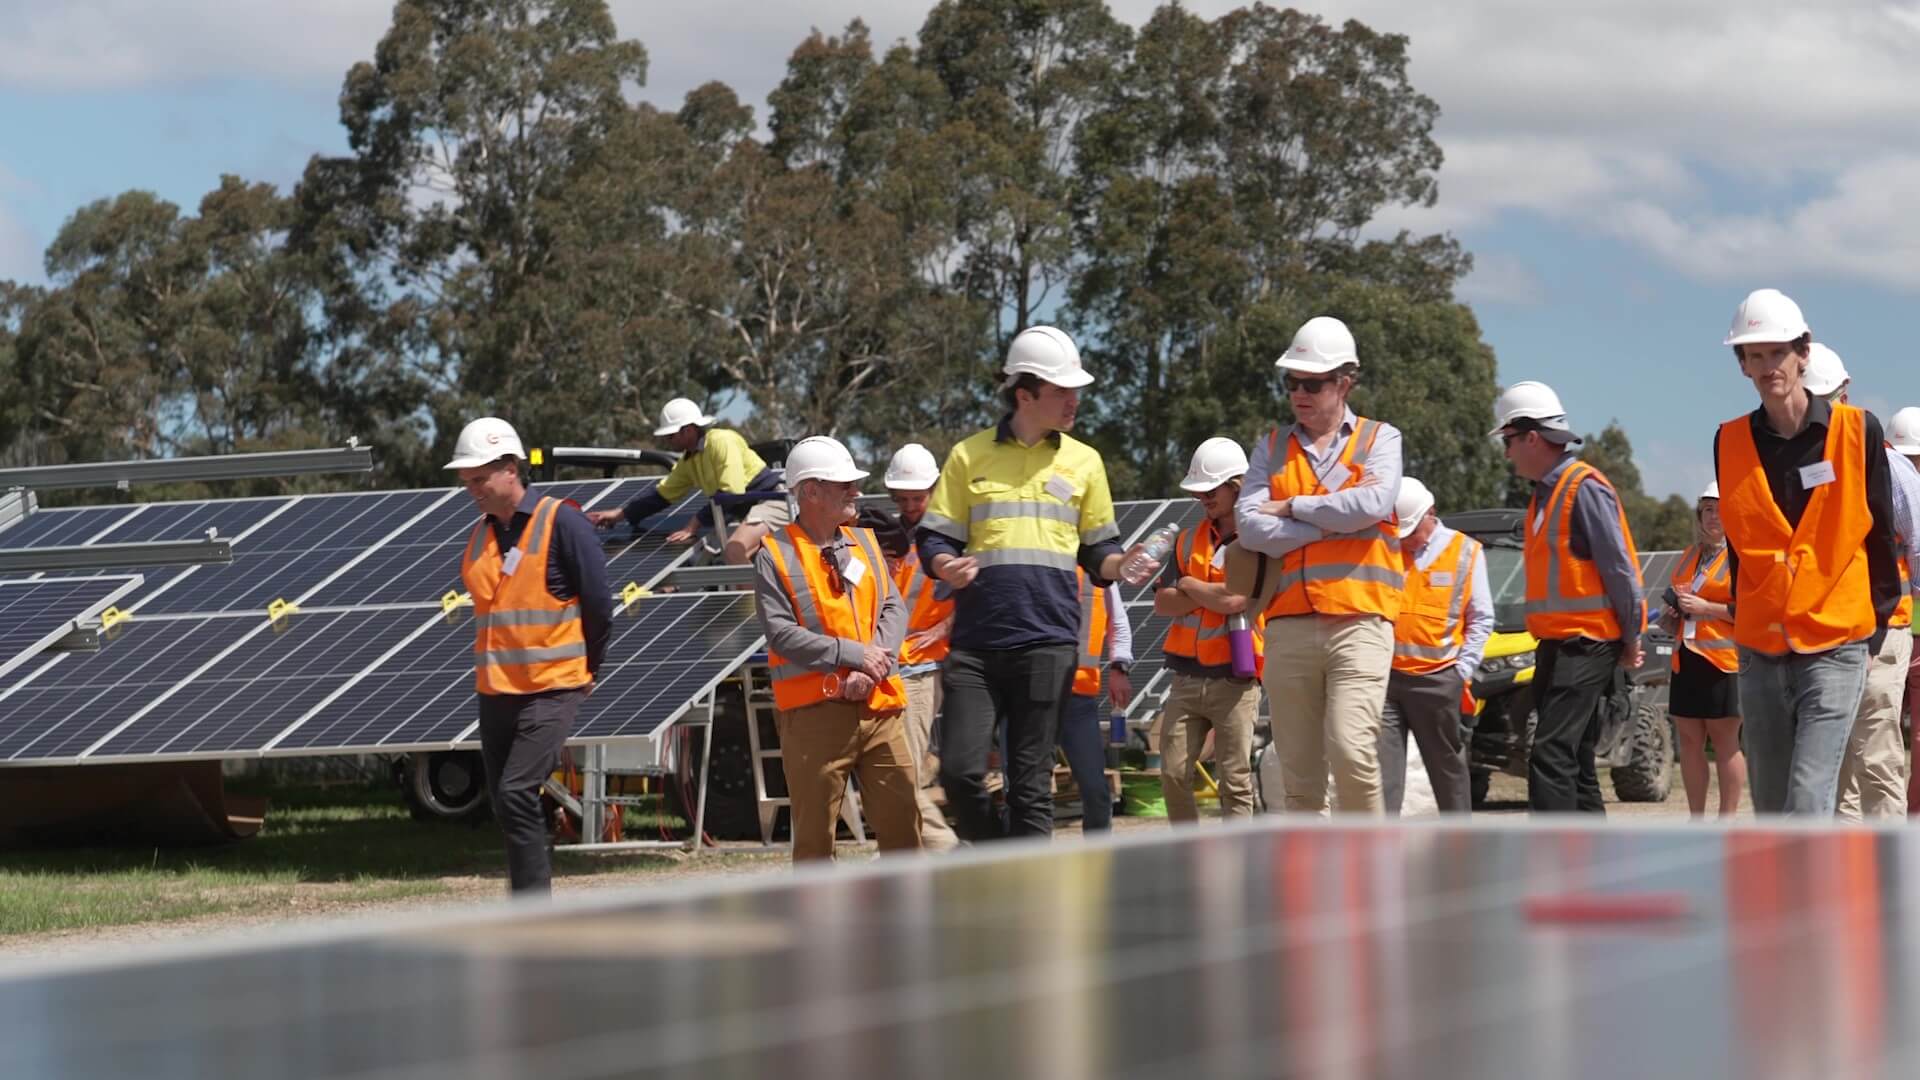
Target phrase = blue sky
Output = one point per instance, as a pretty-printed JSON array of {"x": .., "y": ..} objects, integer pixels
[{"x": 1623, "y": 172}]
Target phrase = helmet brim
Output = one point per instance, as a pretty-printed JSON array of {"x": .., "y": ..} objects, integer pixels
[{"x": 665, "y": 430}]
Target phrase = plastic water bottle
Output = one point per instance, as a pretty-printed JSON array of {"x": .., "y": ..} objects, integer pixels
[
  {"x": 1136, "y": 570},
  {"x": 1240, "y": 643}
]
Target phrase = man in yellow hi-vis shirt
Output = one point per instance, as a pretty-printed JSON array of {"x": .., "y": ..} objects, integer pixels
[
  {"x": 720, "y": 463},
  {"x": 1017, "y": 508}
]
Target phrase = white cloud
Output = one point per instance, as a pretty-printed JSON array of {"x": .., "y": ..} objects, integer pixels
[
  {"x": 20, "y": 250},
  {"x": 1499, "y": 278}
]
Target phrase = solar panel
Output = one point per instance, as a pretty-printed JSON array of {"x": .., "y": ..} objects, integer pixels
[
  {"x": 69, "y": 704},
  {"x": 35, "y": 614},
  {"x": 1130, "y": 516},
  {"x": 422, "y": 695},
  {"x": 643, "y": 556},
  {"x": 1656, "y": 570},
  {"x": 63, "y": 527}
]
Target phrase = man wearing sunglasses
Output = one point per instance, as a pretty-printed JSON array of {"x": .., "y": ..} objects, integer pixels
[
  {"x": 1584, "y": 599},
  {"x": 834, "y": 622},
  {"x": 1318, "y": 497},
  {"x": 1807, "y": 503},
  {"x": 1018, "y": 507}
]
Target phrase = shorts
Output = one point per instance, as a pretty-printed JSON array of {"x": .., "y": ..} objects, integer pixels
[
  {"x": 773, "y": 513},
  {"x": 1699, "y": 690}
]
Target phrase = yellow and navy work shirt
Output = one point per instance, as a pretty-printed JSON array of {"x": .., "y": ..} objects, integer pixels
[
  {"x": 1030, "y": 515},
  {"x": 723, "y": 464}
]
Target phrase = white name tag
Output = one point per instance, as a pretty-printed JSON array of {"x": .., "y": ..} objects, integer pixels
[
  {"x": 1691, "y": 630},
  {"x": 1812, "y": 476},
  {"x": 855, "y": 572},
  {"x": 511, "y": 563},
  {"x": 1219, "y": 559},
  {"x": 1060, "y": 488},
  {"x": 1443, "y": 579}
]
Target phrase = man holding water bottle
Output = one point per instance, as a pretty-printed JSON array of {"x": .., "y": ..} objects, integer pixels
[
  {"x": 1318, "y": 504},
  {"x": 1018, "y": 507},
  {"x": 1215, "y": 687}
]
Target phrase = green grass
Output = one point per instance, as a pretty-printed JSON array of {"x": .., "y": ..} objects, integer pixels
[{"x": 320, "y": 846}]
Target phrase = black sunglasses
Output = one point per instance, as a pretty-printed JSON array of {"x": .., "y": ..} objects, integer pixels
[
  {"x": 1311, "y": 386},
  {"x": 834, "y": 577},
  {"x": 1507, "y": 437}
]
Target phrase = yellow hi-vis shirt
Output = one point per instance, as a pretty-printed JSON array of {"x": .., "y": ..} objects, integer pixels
[
  {"x": 1027, "y": 513},
  {"x": 723, "y": 462}
]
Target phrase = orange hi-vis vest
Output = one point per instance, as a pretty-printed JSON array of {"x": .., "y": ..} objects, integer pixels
[
  {"x": 1565, "y": 596},
  {"x": 924, "y": 611},
  {"x": 525, "y": 640},
  {"x": 1903, "y": 612},
  {"x": 842, "y": 605},
  {"x": 1432, "y": 628},
  {"x": 1799, "y": 588},
  {"x": 1093, "y": 637},
  {"x": 1202, "y": 635},
  {"x": 1711, "y": 639},
  {"x": 1356, "y": 573}
]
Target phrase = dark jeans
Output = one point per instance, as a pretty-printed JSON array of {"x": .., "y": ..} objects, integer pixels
[
  {"x": 1428, "y": 706},
  {"x": 521, "y": 739},
  {"x": 1024, "y": 691},
  {"x": 1571, "y": 680},
  {"x": 1084, "y": 739}
]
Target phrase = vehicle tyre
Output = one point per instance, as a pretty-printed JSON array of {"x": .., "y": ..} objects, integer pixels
[
  {"x": 444, "y": 785},
  {"x": 1648, "y": 775}
]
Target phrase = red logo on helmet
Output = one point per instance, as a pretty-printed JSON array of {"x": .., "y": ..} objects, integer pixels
[
  {"x": 493, "y": 438},
  {"x": 1753, "y": 323}
]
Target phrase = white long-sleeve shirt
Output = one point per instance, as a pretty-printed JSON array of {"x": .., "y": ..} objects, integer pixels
[{"x": 1119, "y": 631}]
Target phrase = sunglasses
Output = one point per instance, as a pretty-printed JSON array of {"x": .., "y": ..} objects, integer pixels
[
  {"x": 1311, "y": 386},
  {"x": 834, "y": 578}
]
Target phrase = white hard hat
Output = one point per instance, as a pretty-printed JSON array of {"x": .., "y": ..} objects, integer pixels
[
  {"x": 1321, "y": 345},
  {"x": 1903, "y": 431},
  {"x": 1048, "y": 353},
  {"x": 1215, "y": 462},
  {"x": 912, "y": 469},
  {"x": 485, "y": 441},
  {"x": 818, "y": 457},
  {"x": 1766, "y": 315},
  {"x": 1826, "y": 373},
  {"x": 1712, "y": 492},
  {"x": 1411, "y": 505},
  {"x": 1533, "y": 401},
  {"x": 678, "y": 414}
]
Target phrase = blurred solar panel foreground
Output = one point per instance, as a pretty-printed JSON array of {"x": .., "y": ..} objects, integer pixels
[{"x": 1276, "y": 949}]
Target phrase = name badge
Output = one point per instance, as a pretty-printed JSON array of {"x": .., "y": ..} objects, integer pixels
[
  {"x": 1060, "y": 488},
  {"x": 1220, "y": 557},
  {"x": 1441, "y": 580},
  {"x": 1812, "y": 476},
  {"x": 1691, "y": 630},
  {"x": 855, "y": 572},
  {"x": 510, "y": 563}
]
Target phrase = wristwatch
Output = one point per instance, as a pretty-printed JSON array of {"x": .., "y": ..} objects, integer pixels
[{"x": 1124, "y": 667}]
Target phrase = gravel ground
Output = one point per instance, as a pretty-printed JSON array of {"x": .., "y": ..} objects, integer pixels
[{"x": 322, "y": 903}]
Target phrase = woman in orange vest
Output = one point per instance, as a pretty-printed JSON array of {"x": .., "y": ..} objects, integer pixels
[
  {"x": 542, "y": 613},
  {"x": 834, "y": 623},
  {"x": 1704, "y": 697}
]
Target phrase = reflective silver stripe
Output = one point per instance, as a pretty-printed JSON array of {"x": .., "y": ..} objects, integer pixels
[
  {"x": 1024, "y": 508},
  {"x": 1088, "y": 660},
  {"x": 783, "y": 672},
  {"x": 1713, "y": 645},
  {"x": 529, "y": 617},
  {"x": 1109, "y": 531},
  {"x": 1375, "y": 575},
  {"x": 515, "y": 657},
  {"x": 1055, "y": 560},
  {"x": 477, "y": 542},
  {"x": 1425, "y": 652},
  {"x": 945, "y": 526},
  {"x": 537, "y": 529},
  {"x": 1212, "y": 633},
  {"x": 1461, "y": 581},
  {"x": 804, "y": 610},
  {"x": 1557, "y": 502},
  {"x": 877, "y": 570}
]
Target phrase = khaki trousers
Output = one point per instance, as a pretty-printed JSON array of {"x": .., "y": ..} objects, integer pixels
[
  {"x": 1195, "y": 705},
  {"x": 1873, "y": 778},
  {"x": 819, "y": 746},
  {"x": 1326, "y": 678},
  {"x": 923, "y": 704}
]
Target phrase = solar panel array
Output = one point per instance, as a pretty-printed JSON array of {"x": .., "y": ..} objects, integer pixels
[
  {"x": 366, "y": 656},
  {"x": 36, "y": 613}
]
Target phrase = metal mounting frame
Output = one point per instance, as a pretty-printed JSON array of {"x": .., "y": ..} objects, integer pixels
[
  {"x": 349, "y": 458},
  {"x": 113, "y": 556}
]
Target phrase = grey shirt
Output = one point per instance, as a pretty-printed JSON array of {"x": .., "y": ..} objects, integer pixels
[
  {"x": 1595, "y": 536},
  {"x": 821, "y": 652},
  {"x": 1316, "y": 517}
]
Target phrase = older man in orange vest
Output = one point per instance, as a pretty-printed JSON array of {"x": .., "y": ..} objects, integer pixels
[
  {"x": 1807, "y": 504},
  {"x": 1318, "y": 498},
  {"x": 1437, "y": 644},
  {"x": 834, "y": 622},
  {"x": 542, "y": 612},
  {"x": 1585, "y": 601}
]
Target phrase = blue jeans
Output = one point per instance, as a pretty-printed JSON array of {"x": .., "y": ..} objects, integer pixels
[
  {"x": 1798, "y": 710},
  {"x": 1084, "y": 741}
]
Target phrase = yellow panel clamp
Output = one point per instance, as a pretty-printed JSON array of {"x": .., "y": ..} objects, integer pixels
[
  {"x": 113, "y": 617},
  {"x": 278, "y": 611},
  {"x": 633, "y": 591},
  {"x": 455, "y": 599}
]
